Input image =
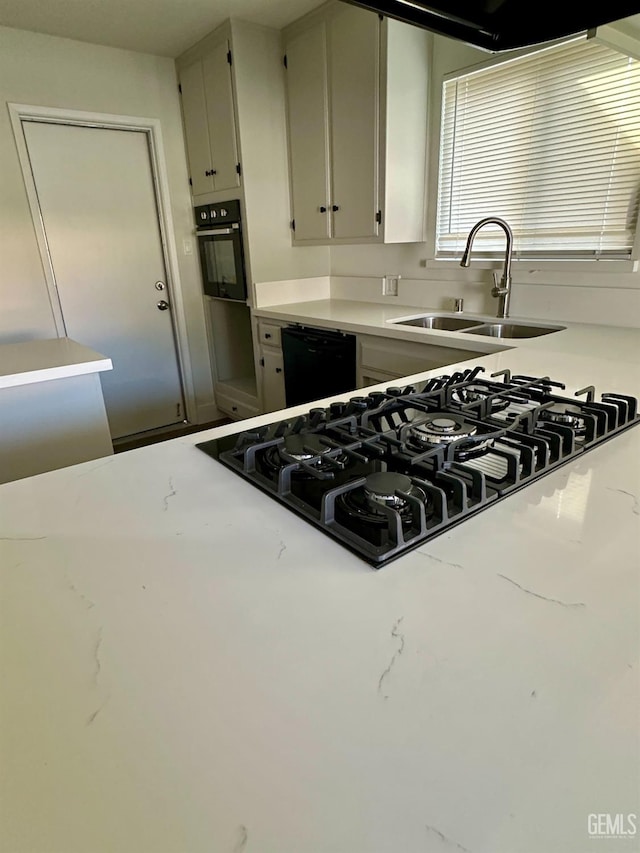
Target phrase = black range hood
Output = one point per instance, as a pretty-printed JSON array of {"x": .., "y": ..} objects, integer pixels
[{"x": 497, "y": 25}]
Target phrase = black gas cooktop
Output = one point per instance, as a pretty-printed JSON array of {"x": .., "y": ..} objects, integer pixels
[{"x": 386, "y": 472}]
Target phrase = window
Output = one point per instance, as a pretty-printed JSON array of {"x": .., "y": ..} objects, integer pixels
[{"x": 551, "y": 143}]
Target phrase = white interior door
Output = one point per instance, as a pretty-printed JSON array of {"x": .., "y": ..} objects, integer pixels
[{"x": 97, "y": 199}]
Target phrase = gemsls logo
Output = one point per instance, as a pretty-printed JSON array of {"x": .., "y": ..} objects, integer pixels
[{"x": 612, "y": 825}]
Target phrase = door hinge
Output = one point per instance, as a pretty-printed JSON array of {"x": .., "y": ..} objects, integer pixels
[
  {"x": 293, "y": 224},
  {"x": 190, "y": 182},
  {"x": 284, "y": 61},
  {"x": 262, "y": 362},
  {"x": 229, "y": 58},
  {"x": 180, "y": 88},
  {"x": 379, "y": 217},
  {"x": 238, "y": 168}
]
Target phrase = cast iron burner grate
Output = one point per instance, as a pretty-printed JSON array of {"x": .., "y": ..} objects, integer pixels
[{"x": 386, "y": 472}]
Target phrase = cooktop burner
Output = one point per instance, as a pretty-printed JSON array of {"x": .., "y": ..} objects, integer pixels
[
  {"x": 441, "y": 428},
  {"x": 474, "y": 394},
  {"x": 571, "y": 416},
  {"x": 448, "y": 429},
  {"x": 385, "y": 488},
  {"x": 385, "y": 472}
]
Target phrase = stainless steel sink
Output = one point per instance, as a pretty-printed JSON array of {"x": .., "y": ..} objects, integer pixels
[
  {"x": 436, "y": 321},
  {"x": 513, "y": 330}
]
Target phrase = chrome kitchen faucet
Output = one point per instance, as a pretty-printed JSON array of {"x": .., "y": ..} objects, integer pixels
[{"x": 501, "y": 289}]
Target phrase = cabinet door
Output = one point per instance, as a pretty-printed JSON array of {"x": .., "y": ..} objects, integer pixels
[
  {"x": 367, "y": 376},
  {"x": 273, "y": 394},
  {"x": 308, "y": 140},
  {"x": 221, "y": 118},
  {"x": 354, "y": 66},
  {"x": 194, "y": 115}
]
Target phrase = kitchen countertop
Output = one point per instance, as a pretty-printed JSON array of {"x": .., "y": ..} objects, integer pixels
[
  {"x": 373, "y": 318},
  {"x": 41, "y": 360},
  {"x": 187, "y": 666}
]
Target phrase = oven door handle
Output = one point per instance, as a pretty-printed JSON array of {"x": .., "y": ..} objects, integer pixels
[{"x": 217, "y": 231}]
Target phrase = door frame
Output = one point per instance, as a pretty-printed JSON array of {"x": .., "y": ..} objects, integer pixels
[{"x": 151, "y": 127}]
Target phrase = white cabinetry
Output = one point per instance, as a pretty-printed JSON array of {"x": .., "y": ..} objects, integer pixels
[
  {"x": 237, "y": 398},
  {"x": 385, "y": 359},
  {"x": 230, "y": 343},
  {"x": 209, "y": 119},
  {"x": 357, "y": 91},
  {"x": 271, "y": 366},
  {"x": 235, "y": 114}
]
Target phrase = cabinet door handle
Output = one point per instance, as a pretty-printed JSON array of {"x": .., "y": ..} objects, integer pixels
[
  {"x": 267, "y": 335},
  {"x": 335, "y": 207},
  {"x": 210, "y": 172},
  {"x": 323, "y": 209},
  {"x": 278, "y": 370}
]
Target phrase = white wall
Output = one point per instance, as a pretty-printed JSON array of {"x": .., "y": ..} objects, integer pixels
[
  {"x": 47, "y": 71},
  {"x": 588, "y": 293}
]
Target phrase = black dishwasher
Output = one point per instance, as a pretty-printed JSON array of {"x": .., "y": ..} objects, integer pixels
[{"x": 317, "y": 364}]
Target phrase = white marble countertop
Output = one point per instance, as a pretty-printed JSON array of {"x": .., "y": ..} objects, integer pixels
[
  {"x": 41, "y": 360},
  {"x": 374, "y": 318},
  {"x": 187, "y": 666}
]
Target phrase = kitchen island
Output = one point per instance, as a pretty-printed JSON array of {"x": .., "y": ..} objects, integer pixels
[
  {"x": 188, "y": 666},
  {"x": 52, "y": 411}
]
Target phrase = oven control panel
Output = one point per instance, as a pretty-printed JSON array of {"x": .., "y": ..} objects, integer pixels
[{"x": 222, "y": 213}]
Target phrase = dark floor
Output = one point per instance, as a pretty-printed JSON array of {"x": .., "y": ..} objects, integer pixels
[{"x": 156, "y": 436}]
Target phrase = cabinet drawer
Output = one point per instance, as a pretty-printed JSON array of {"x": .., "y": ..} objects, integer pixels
[
  {"x": 269, "y": 334},
  {"x": 234, "y": 407}
]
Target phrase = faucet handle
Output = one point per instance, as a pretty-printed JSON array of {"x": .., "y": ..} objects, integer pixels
[
  {"x": 458, "y": 305},
  {"x": 499, "y": 288}
]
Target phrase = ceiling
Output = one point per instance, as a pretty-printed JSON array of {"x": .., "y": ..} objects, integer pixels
[{"x": 162, "y": 27}]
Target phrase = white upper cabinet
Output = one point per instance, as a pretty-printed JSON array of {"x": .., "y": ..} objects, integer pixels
[
  {"x": 308, "y": 141},
  {"x": 354, "y": 79},
  {"x": 357, "y": 99},
  {"x": 209, "y": 120}
]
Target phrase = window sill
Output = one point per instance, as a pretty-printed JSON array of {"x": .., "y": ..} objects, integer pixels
[{"x": 596, "y": 266}]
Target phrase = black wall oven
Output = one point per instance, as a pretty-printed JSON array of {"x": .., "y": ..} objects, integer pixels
[{"x": 219, "y": 234}]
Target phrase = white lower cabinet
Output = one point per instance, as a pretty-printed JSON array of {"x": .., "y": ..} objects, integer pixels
[
  {"x": 367, "y": 376},
  {"x": 236, "y": 402},
  {"x": 273, "y": 379},
  {"x": 386, "y": 359},
  {"x": 379, "y": 360},
  {"x": 271, "y": 366}
]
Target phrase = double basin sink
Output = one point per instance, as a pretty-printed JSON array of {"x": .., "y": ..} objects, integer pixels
[{"x": 476, "y": 326}]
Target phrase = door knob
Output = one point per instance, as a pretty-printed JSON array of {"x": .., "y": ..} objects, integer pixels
[{"x": 162, "y": 305}]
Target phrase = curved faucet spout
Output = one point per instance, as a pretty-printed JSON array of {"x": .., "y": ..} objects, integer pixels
[{"x": 502, "y": 289}]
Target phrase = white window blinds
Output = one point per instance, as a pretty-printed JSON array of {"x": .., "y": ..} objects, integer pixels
[{"x": 551, "y": 143}]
